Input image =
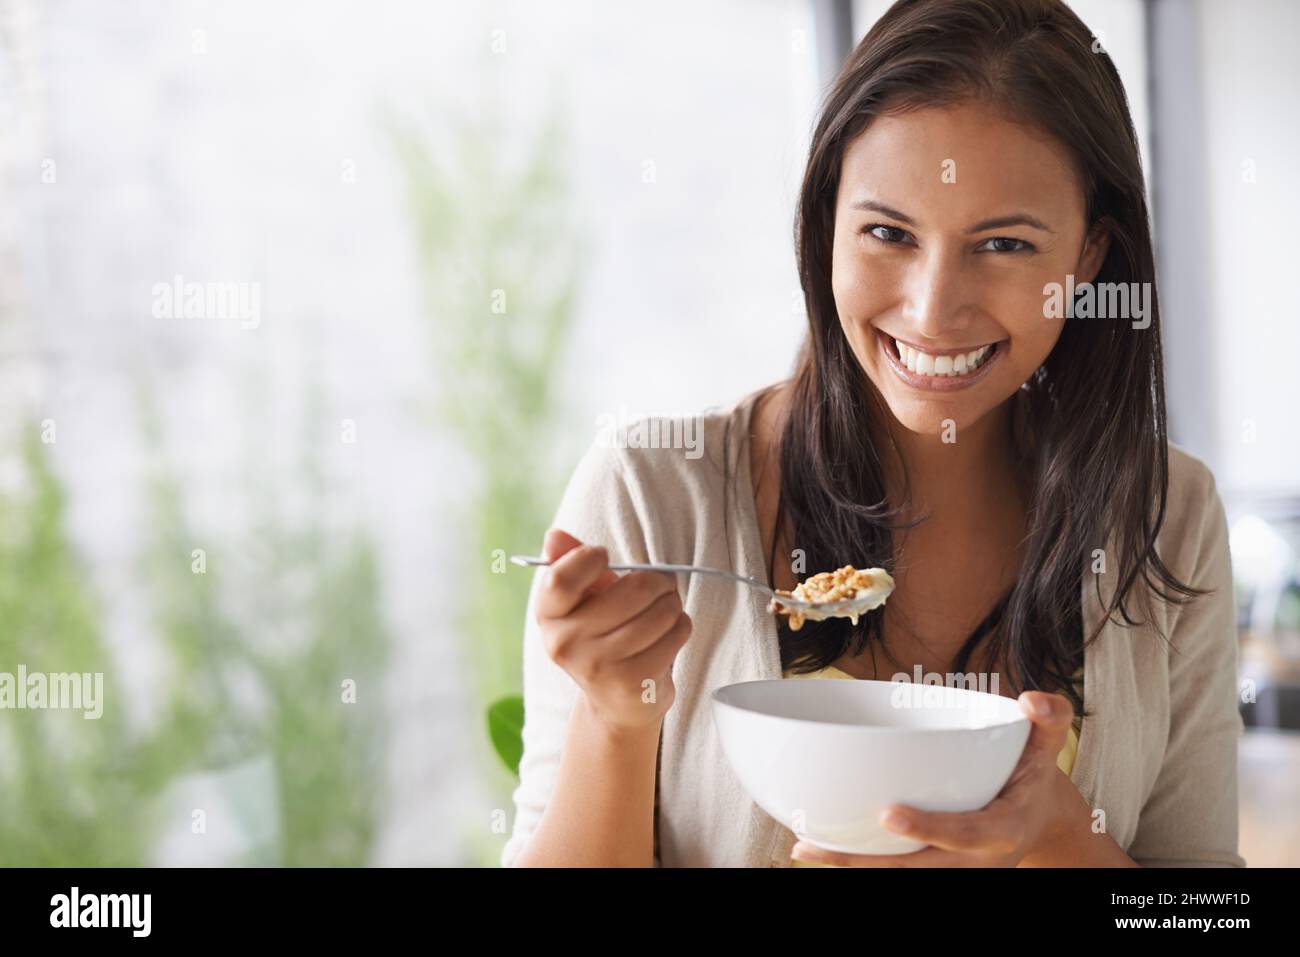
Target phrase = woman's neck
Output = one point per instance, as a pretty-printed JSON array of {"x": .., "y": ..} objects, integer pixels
[{"x": 959, "y": 477}]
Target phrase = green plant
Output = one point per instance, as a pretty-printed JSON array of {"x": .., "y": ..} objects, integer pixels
[
  {"x": 86, "y": 792},
  {"x": 506, "y": 728},
  {"x": 69, "y": 790},
  {"x": 291, "y": 576},
  {"x": 498, "y": 256}
]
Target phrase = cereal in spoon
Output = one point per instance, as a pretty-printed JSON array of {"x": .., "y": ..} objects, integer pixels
[{"x": 846, "y": 592}]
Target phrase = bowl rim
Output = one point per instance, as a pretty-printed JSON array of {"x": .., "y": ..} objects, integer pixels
[{"x": 867, "y": 728}]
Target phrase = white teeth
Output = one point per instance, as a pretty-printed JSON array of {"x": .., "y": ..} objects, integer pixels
[{"x": 951, "y": 365}]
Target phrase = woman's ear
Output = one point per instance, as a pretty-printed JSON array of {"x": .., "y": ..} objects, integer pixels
[{"x": 1095, "y": 247}]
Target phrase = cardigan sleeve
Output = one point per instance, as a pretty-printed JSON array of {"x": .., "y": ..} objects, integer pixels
[
  {"x": 1190, "y": 817},
  {"x": 598, "y": 507}
]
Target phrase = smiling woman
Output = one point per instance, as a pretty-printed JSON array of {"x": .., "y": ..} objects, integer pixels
[
  {"x": 1008, "y": 466},
  {"x": 946, "y": 189},
  {"x": 947, "y": 294}
]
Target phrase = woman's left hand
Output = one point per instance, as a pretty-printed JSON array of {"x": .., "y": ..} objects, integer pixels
[{"x": 1037, "y": 809}]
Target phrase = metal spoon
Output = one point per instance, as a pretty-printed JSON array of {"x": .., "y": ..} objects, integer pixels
[{"x": 848, "y": 607}]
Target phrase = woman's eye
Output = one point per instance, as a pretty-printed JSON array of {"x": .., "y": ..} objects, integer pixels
[
  {"x": 888, "y": 234},
  {"x": 1005, "y": 244}
]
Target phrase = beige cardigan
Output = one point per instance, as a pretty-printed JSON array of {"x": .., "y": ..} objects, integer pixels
[{"x": 1159, "y": 756}]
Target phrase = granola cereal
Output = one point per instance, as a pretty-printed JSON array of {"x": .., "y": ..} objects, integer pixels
[{"x": 873, "y": 585}]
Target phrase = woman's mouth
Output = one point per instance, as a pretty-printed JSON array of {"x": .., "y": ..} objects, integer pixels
[{"x": 940, "y": 370}]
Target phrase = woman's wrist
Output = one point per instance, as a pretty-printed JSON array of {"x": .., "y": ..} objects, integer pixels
[
  {"x": 1073, "y": 842},
  {"x": 615, "y": 734},
  {"x": 1081, "y": 848}
]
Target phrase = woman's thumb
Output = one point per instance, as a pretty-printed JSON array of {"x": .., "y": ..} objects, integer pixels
[
  {"x": 1051, "y": 726},
  {"x": 558, "y": 543}
]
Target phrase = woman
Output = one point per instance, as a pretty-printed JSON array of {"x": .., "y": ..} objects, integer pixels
[{"x": 1005, "y": 459}]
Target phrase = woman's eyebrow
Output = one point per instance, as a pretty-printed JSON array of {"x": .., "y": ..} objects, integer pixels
[
  {"x": 1015, "y": 219},
  {"x": 871, "y": 206},
  {"x": 998, "y": 222}
]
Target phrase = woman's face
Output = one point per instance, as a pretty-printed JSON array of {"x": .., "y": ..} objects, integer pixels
[{"x": 949, "y": 223}]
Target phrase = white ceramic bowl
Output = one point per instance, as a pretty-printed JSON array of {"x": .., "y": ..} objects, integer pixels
[{"x": 825, "y": 756}]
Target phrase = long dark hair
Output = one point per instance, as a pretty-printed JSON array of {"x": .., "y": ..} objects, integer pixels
[{"x": 1089, "y": 425}]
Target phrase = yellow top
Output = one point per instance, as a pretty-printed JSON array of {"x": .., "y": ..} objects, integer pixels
[{"x": 1064, "y": 760}]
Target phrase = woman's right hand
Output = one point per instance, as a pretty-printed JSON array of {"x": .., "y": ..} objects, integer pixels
[{"x": 617, "y": 637}]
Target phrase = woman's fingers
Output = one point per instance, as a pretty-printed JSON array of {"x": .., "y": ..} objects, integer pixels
[
  {"x": 1050, "y": 728},
  {"x": 659, "y": 655},
  {"x": 626, "y": 600},
  {"x": 557, "y": 543},
  {"x": 983, "y": 830},
  {"x": 580, "y": 586},
  {"x": 632, "y": 643},
  {"x": 624, "y": 616},
  {"x": 643, "y": 629},
  {"x": 926, "y": 857},
  {"x": 578, "y": 569},
  {"x": 954, "y": 839}
]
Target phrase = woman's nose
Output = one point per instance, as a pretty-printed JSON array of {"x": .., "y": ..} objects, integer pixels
[{"x": 937, "y": 301}]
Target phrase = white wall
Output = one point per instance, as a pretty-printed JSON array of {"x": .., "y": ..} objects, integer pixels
[{"x": 1250, "y": 212}]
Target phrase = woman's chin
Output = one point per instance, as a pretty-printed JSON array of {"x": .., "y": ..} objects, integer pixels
[
  {"x": 928, "y": 424},
  {"x": 938, "y": 416}
]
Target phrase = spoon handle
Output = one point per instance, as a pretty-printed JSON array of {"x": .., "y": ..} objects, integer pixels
[{"x": 688, "y": 569}]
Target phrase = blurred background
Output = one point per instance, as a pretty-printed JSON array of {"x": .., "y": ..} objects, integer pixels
[{"x": 308, "y": 309}]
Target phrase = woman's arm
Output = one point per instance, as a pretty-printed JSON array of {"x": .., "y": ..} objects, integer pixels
[
  {"x": 1190, "y": 817},
  {"x": 1093, "y": 850},
  {"x": 1078, "y": 844},
  {"x": 586, "y": 793},
  {"x": 601, "y": 812}
]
